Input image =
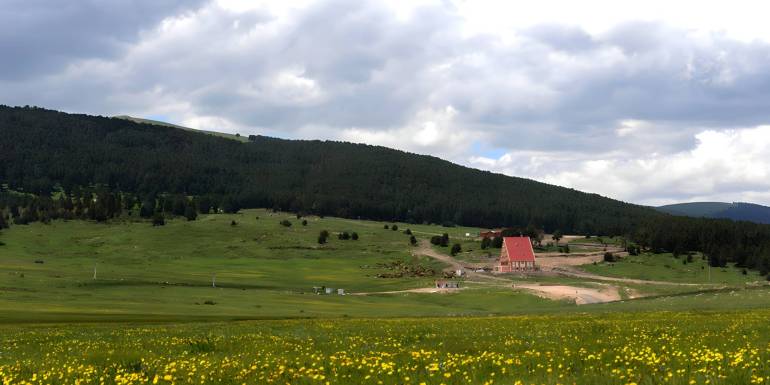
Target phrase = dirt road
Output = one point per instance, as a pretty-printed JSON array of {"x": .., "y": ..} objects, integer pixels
[{"x": 581, "y": 295}]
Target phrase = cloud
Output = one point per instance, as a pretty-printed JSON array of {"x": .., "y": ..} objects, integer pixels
[{"x": 566, "y": 96}]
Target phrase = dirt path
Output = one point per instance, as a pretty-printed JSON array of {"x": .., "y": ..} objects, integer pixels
[
  {"x": 423, "y": 290},
  {"x": 425, "y": 249},
  {"x": 581, "y": 295}
]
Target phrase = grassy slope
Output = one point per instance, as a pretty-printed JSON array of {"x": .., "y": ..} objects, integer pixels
[
  {"x": 263, "y": 270},
  {"x": 664, "y": 267},
  {"x": 159, "y": 123}
]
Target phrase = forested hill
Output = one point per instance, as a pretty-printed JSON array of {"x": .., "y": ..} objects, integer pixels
[
  {"x": 736, "y": 211},
  {"x": 42, "y": 150}
]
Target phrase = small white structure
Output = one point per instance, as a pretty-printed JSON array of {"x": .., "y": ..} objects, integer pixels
[
  {"x": 460, "y": 272},
  {"x": 329, "y": 290},
  {"x": 341, "y": 291}
]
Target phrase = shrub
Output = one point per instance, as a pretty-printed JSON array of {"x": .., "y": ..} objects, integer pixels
[
  {"x": 394, "y": 227},
  {"x": 304, "y": 222},
  {"x": 435, "y": 240},
  {"x": 322, "y": 237},
  {"x": 209, "y": 302},
  {"x": 2, "y": 243},
  {"x": 744, "y": 272},
  {"x": 445, "y": 240},
  {"x": 408, "y": 232},
  {"x": 609, "y": 257},
  {"x": 485, "y": 243},
  {"x": 190, "y": 214},
  {"x": 285, "y": 223},
  {"x": 233, "y": 223},
  {"x": 343, "y": 235},
  {"x": 412, "y": 240},
  {"x": 158, "y": 220},
  {"x": 497, "y": 242},
  {"x": 456, "y": 248},
  {"x": 354, "y": 236},
  {"x": 386, "y": 227}
]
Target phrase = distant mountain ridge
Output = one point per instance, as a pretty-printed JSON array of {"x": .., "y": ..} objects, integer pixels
[{"x": 737, "y": 211}]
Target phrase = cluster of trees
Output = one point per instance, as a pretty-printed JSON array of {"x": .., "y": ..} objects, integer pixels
[
  {"x": 440, "y": 240},
  {"x": 98, "y": 204},
  {"x": 722, "y": 241}
]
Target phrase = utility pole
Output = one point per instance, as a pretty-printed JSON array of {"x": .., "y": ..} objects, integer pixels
[{"x": 214, "y": 280}]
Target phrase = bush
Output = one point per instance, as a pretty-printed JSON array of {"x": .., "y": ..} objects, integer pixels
[
  {"x": 386, "y": 227},
  {"x": 158, "y": 220},
  {"x": 394, "y": 227},
  {"x": 745, "y": 272},
  {"x": 456, "y": 248},
  {"x": 354, "y": 236},
  {"x": 408, "y": 232},
  {"x": 285, "y": 223},
  {"x": 412, "y": 240},
  {"x": 2, "y": 243},
  {"x": 322, "y": 237},
  {"x": 190, "y": 214},
  {"x": 609, "y": 257},
  {"x": 343, "y": 235},
  {"x": 445, "y": 240},
  {"x": 497, "y": 242},
  {"x": 485, "y": 243},
  {"x": 304, "y": 222},
  {"x": 233, "y": 223},
  {"x": 435, "y": 240}
]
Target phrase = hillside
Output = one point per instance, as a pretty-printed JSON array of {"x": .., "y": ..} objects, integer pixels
[
  {"x": 46, "y": 150},
  {"x": 736, "y": 211}
]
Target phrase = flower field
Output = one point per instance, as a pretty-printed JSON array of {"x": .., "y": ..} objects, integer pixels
[{"x": 614, "y": 348}]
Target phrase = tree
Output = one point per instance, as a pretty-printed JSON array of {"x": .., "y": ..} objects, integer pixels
[
  {"x": 343, "y": 236},
  {"x": 354, "y": 236},
  {"x": 285, "y": 223},
  {"x": 3, "y": 223},
  {"x": 556, "y": 236},
  {"x": 497, "y": 242},
  {"x": 609, "y": 257},
  {"x": 456, "y": 248},
  {"x": 412, "y": 240},
  {"x": 394, "y": 227},
  {"x": 386, "y": 227},
  {"x": 408, "y": 232},
  {"x": 304, "y": 222},
  {"x": 435, "y": 240},
  {"x": 322, "y": 237},
  {"x": 158, "y": 219},
  {"x": 485, "y": 243},
  {"x": 148, "y": 208},
  {"x": 190, "y": 213}
]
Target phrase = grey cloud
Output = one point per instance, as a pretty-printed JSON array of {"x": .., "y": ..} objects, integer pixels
[{"x": 40, "y": 36}]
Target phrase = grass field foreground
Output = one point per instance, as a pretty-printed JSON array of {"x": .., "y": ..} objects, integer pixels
[{"x": 615, "y": 348}]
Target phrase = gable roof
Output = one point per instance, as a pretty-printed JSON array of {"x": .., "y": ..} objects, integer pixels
[{"x": 519, "y": 249}]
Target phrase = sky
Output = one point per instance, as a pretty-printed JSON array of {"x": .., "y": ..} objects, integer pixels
[{"x": 651, "y": 102}]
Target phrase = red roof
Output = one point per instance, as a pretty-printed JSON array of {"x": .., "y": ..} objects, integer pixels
[{"x": 519, "y": 249}]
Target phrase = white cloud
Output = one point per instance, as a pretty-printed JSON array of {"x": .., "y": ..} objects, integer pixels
[
  {"x": 638, "y": 101},
  {"x": 724, "y": 165}
]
